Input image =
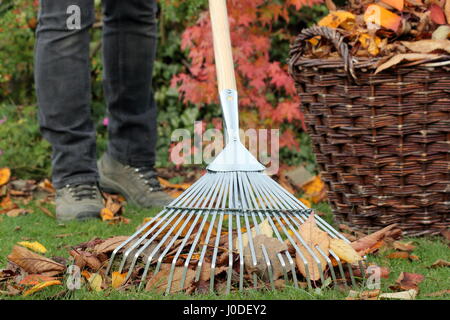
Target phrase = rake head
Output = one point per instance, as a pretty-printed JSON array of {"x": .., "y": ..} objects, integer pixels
[{"x": 232, "y": 230}]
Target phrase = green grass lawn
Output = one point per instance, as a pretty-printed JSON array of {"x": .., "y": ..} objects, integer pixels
[{"x": 39, "y": 227}]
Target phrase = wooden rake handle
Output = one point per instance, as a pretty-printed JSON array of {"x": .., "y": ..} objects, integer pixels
[{"x": 222, "y": 45}]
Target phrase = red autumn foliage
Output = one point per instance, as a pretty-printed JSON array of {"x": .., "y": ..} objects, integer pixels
[{"x": 257, "y": 75}]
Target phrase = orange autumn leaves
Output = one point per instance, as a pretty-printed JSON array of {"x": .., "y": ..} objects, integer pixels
[
  {"x": 5, "y": 175},
  {"x": 375, "y": 31}
]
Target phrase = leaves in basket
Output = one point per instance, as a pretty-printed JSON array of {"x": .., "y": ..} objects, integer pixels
[
  {"x": 376, "y": 16},
  {"x": 338, "y": 19},
  {"x": 437, "y": 14},
  {"x": 428, "y": 46},
  {"x": 371, "y": 242},
  {"x": 395, "y": 60},
  {"x": 397, "y": 4}
]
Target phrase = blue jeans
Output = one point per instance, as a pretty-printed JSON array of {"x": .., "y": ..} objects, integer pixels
[{"x": 63, "y": 85}]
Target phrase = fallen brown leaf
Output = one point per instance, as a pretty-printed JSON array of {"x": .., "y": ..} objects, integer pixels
[
  {"x": 110, "y": 244},
  {"x": 84, "y": 258},
  {"x": 46, "y": 212},
  {"x": 407, "y": 281},
  {"x": 440, "y": 263},
  {"x": 34, "y": 263},
  {"x": 404, "y": 295},
  {"x": 34, "y": 279},
  {"x": 438, "y": 293},
  {"x": 363, "y": 295},
  {"x": 159, "y": 282},
  {"x": 273, "y": 247},
  {"x": 371, "y": 242},
  {"x": 404, "y": 246},
  {"x": 398, "y": 255},
  {"x": 446, "y": 234}
]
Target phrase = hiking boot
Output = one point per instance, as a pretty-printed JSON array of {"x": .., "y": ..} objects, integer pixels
[
  {"x": 139, "y": 186},
  {"x": 78, "y": 202}
]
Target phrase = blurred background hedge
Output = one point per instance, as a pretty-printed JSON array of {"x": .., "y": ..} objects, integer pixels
[{"x": 23, "y": 150}]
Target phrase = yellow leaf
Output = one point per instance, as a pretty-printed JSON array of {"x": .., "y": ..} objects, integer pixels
[
  {"x": 118, "y": 279},
  {"x": 169, "y": 185},
  {"x": 315, "y": 190},
  {"x": 370, "y": 43},
  {"x": 397, "y": 4},
  {"x": 338, "y": 19},
  {"x": 5, "y": 175},
  {"x": 344, "y": 251},
  {"x": 41, "y": 286},
  {"x": 306, "y": 202},
  {"x": 106, "y": 214},
  {"x": 35, "y": 246},
  {"x": 379, "y": 16},
  {"x": 95, "y": 282}
]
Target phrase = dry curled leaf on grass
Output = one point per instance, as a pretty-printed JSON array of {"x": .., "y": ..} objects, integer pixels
[
  {"x": 159, "y": 282},
  {"x": 408, "y": 281},
  {"x": 398, "y": 255},
  {"x": 34, "y": 279},
  {"x": 363, "y": 295},
  {"x": 313, "y": 237},
  {"x": 344, "y": 251},
  {"x": 109, "y": 244},
  {"x": 84, "y": 259},
  {"x": 440, "y": 263},
  {"x": 34, "y": 263},
  {"x": 262, "y": 246},
  {"x": 373, "y": 241},
  {"x": 403, "y": 295},
  {"x": 95, "y": 280},
  {"x": 403, "y": 246},
  {"x": 40, "y": 286}
]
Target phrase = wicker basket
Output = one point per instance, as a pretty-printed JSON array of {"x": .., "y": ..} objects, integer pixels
[{"x": 382, "y": 141}]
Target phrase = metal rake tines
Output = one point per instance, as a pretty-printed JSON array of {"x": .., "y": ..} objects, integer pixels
[{"x": 230, "y": 230}]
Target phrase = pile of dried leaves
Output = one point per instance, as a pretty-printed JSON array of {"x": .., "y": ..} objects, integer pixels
[
  {"x": 388, "y": 31},
  {"x": 31, "y": 270}
]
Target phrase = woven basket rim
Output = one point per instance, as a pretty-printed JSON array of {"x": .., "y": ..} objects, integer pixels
[{"x": 367, "y": 63}]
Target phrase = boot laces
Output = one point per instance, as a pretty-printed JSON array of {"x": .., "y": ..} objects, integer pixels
[
  {"x": 149, "y": 177},
  {"x": 83, "y": 191}
]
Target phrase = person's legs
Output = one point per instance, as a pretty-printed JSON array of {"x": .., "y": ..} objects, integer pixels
[
  {"x": 62, "y": 74},
  {"x": 129, "y": 48}
]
